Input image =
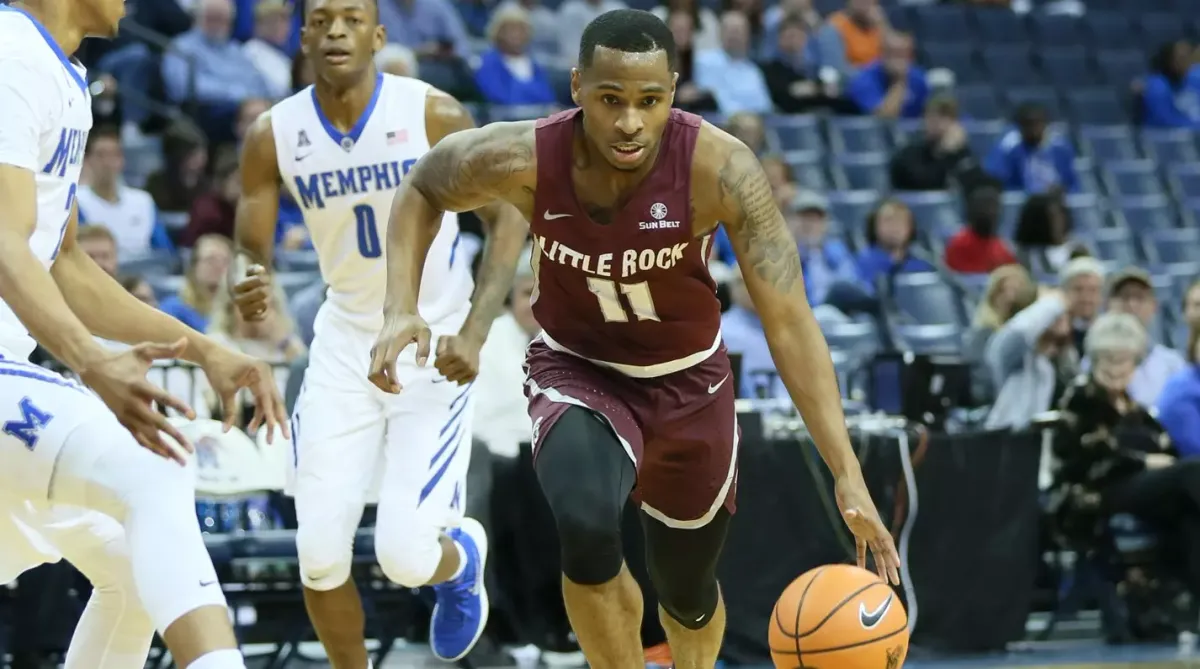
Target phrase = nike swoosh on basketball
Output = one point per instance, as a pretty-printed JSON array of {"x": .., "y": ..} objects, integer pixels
[
  {"x": 717, "y": 386},
  {"x": 870, "y": 619},
  {"x": 550, "y": 217},
  {"x": 205, "y": 584}
]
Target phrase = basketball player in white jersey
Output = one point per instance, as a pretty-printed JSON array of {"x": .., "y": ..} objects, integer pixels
[
  {"x": 81, "y": 472},
  {"x": 341, "y": 148}
]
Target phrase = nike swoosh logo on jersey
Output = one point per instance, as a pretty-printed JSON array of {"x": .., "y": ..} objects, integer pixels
[
  {"x": 299, "y": 157},
  {"x": 550, "y": 217},
  {"x": 870, "y": 619},
  {"x": 717, "y": 386}
]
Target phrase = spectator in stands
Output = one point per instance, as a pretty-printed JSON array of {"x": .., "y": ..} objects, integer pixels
[
  {"x": 976, "y": 248},
  {"x": 793, "y": 82},
  {"x": 431, "y": 28},
  {"x": 1131, "y": 292},
  {"x": 1043, "y": 234},
  {"x": 206, "y": 65},
  {"x": 1009, "y": 290},
  {"x": 742, "y": 332},
  {"x": 1114, "y": 457},
  {"x": 729, "y": 73},
  {"x": 688, "y": 96},
  {"x": 181, "y": 179},
  {"x": 890, "y": 236},
  {"x": 99, "y": 243},
  {"x": 303, "y": 75},
  {"x": 705, "y": 27},
  {"x": 269, "y": 50},
  {"x": 206, "y": 271},
  {"x": 397, "y": 59},
  {"x": 248, "y": 113},
  {"x": 830, "y": 270},
  {"x": 213, "y": 212},
  {"x": 139, "y": 288},
  {"x": 749, "y": 128},
  {"x": 1031, "y": 159},
  {"x": 106, "y": 104},
  {"x": 753, "y": 11},
  {"x": 780, "y": 176},
  {"x": 825, "y": 48},
  {"x": 544, "y": 23},
  {"x": 507, "y": 74},
  {"x": 1179, "y": 403},
  {"x": 892, "y": 86},
  {"x": 104, "y": 199},
  {"x": 573, "y": 17},
  {"x": 273, "y": 339},
  {"x": 1082, "y": 280},
  {"x": 1191, "y": 305},
  {"x": 500, "y": 416},
  {"x": 941, "y": 158},
  {"x": 1171, "y": 93},
  {"x": 863, "y": 28},
  {"x": 1028, "y": 358}
]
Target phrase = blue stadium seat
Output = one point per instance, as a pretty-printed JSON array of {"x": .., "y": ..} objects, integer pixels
[
  {"x": 1085, "y": 169},
  {"x": 794, "y": 133},
  {"x": 907, "y": 130},
  {"x": 898, "y": 16},
  {"x": 1113, "y": 245},
  {"x": 1010, "y": 209},
  {"x": 1040, "y": 95},
  {"x": 980, "y": 102},
  {"x": 808, "y": 168},
  {"x": 1057, "y": 30},
  {"x": 1010, "y": 65},
  {"x": 941, "y": 23},
  {"x": 924, "y": 298},
  {"x": 1131, "y": 177},
  {"x": 1169, "y": 146},
  {"x": 151, "y": 263},
  {"x": 1184, "y": 180},
  {"x": 1068, "y": 66},
  {"x": 1175, "y": 245},
  {"x": 857, "y": 134},
  {"x": 859, "y": 339},
  {"x": 982, "y": 135},
  {"x": 1097, "y": 106},
  {"x": 928, "y": 339},
  {"x": 1119, "y": 67},
  {"x": 1001, "y": 26},
  {"x": 1086, "y": 211},
  {"x": 296, "y": 261},
  {"x": 851, "y": 208},
  {"x": 861, "y": 171},
  {"x": 961, "y": 58},
  {"x": 1148, "y": 212},
  {"x": 1161, "y": 28},
  {"x": 1110, "y": 30},
  {"x": 1103, "y": 143},
  {"x": 294, "y": 281},
  {"x": 935, "y": 213}
]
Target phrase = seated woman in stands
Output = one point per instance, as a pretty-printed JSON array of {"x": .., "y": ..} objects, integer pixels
[
  {"x": 1009, "y": 290},
  {"x": 1115, "y": 458}
]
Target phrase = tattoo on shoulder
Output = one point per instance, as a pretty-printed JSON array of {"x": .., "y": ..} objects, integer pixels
[
  {"x": 476, "y": 166},
  {"x": 757, "y": 226}
]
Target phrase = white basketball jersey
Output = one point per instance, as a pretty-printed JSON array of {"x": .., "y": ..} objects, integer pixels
[
  {"x": 45, "y": 116},
  {"x": 345, "y": 182}
]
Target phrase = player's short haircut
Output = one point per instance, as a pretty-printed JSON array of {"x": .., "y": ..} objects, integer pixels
[
  {"x": 94, "y": 231},
  {"x": 305, "y": 4},
  {"x": 628, "y": 30}
]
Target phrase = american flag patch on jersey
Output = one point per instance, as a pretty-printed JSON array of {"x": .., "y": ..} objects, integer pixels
[{"x": 397, "y": 137}]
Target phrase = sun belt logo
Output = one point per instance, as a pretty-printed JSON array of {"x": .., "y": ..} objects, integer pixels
[{"x": 658, "y": 211}]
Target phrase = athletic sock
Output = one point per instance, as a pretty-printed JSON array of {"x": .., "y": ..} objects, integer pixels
[{"x": 228, "y": 658}]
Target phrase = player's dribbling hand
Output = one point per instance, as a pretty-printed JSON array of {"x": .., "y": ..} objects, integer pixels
[
  {"x": 399, "y": 330},
  {"x": 869, "y": 531},
  {"x": 254, "y": 293},
  {"x": 228, "y": 372},
  {"x": 457, "y": 358},
  {"x": 120, "y": 381}
]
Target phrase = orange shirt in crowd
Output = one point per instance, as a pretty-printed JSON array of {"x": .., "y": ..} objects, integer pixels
[
  {"x": 863, "y": 46},
  {"x": 969, "y": 253}
]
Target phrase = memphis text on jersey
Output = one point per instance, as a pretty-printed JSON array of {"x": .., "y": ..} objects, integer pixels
[
  {"x": 317, "y": 187},
  {"x": 68, "y": 152}
]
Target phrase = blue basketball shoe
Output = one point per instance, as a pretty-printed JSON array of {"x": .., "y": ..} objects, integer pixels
[{"x": 461, "y": 612}]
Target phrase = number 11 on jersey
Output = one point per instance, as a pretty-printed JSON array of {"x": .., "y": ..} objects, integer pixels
[{"x": 637, "y": 294}]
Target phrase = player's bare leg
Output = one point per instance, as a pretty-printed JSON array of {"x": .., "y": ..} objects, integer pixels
[
  {"x": 695, "y": 649},
  {"x": 198, "y": 633},
  {"x": 338, "y": 619},
  {"x": 607, "y": 620}
]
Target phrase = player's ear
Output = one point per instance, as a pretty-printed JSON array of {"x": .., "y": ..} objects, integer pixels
[
  {"x": 380, "y": 38},
  {"x": 575, "y": 95}
]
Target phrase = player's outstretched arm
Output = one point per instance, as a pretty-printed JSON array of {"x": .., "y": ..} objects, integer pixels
[
  {"x": 507, "y": 230},
  {"x": 255, "y": 221},
  {"x": 770, "y": 265}
]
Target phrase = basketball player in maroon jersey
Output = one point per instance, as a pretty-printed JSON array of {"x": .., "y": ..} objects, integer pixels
[{"x": 628, "y": 385}]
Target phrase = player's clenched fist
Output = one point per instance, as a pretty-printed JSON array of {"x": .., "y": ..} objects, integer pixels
[
  {"x": 457, "y": 358},
  {"x": 399, "y": 330},
  {"x": 252, "y": 294}
]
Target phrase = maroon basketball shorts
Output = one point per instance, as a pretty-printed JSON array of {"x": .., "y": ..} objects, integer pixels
[{"x": 680, "y": 429}]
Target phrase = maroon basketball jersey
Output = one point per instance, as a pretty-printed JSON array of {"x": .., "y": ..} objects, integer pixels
[{"x": 636, "y": 292}]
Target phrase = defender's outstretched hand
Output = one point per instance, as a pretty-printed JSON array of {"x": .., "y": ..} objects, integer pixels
[
  {"x": 228, "y": 372},
  {"x": 869, "y": 531},
  {"x": 399, "y": 330}
]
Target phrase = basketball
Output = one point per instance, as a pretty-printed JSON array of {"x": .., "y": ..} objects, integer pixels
[{"x": 838, "y": 616}]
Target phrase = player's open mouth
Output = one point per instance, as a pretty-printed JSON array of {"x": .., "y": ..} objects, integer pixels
[
  {"x": 628, "y": 153},
  {"x": 337, "y": 56}
]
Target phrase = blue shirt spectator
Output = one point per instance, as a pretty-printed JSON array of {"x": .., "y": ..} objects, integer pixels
[
  {"x": 893, "y": 86},
  {"x": 1171, "y": 93},
  {"x": 425, "y": 26},
  {"x": 184, "y": 313},
  {"x": 1031, "y": 159},
  {"x": 507, "y": 74},
  {"x": 890, "y": 235},
  {"x": 729, "y": 74},
  {"x": 1179, "y": 410},
  {"x": 742, "y": 332},
  {"x": 208, "y": 58}
]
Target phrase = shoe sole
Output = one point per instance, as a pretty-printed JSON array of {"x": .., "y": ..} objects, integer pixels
[{"x": 475, "y": 529}]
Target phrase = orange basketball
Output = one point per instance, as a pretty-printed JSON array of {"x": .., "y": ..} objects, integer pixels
[{"x": 838, "y": 617}]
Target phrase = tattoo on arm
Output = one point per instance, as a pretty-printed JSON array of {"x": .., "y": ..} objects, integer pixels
[
  {"x": 755, "y": 223},
  {"x": 471, "y": 168}
]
